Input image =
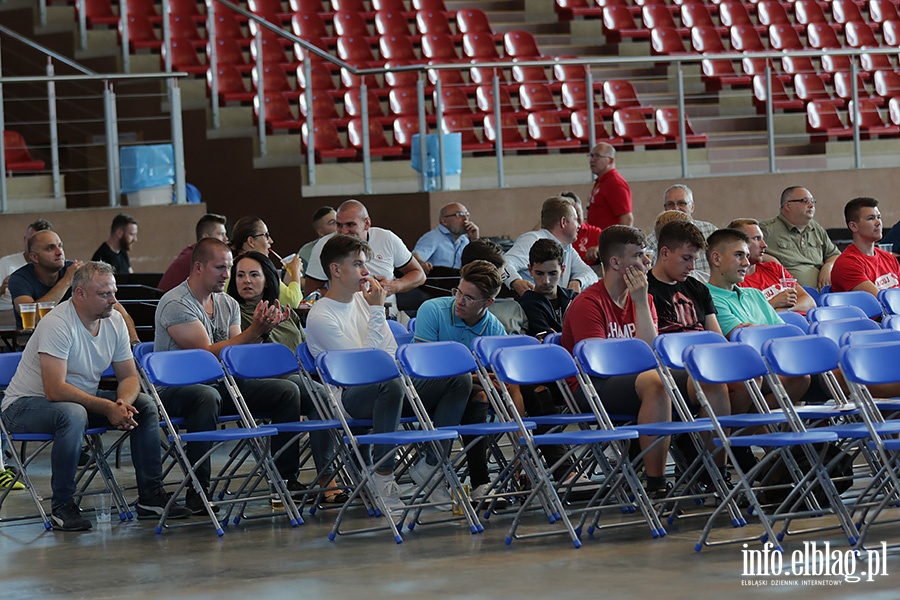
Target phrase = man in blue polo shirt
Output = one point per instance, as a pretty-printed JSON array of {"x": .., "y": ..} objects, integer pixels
[{"x": 443, "y": 245}]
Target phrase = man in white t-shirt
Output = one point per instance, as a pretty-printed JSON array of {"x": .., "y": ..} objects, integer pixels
[
  {"x": 55, "y": 391},
  {"x": 11, "y": 263},
  {"x": 388, "y": 253}
]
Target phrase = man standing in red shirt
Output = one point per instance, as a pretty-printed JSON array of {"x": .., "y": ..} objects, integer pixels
[
  {"x": 862, "y": 266},
  {"x": 611, "y": 197}
]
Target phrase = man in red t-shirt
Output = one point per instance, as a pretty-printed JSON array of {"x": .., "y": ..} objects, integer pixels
[
  {"x": 610, "y": 202},
  {"x": 862, "y": 266},
  {"x": 767, "y": 276},
  {"x": 586, "y": 244}
]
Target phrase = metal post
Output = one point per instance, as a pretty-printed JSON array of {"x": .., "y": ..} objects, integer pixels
[
  {"x": 167, "y": 37},
  {"x": 42, "y": 13},
  {"x": 854, "y": 89},
  {"x": 178, "y": 143},
  {"x": 682, "y": 120},
  {"x": 261, "y": 93},
  {"x": 310, "y": 123},
  {"x": 3, "y": 204},
  {"x": 54, "y": 134},
  {"x": 213, "y": 60},
  {"x": 113, "y": 191},
  {"x": 770, "y": 118},
  {"x": 82, "y": 24},
  {"x": 367, "y": 160},
  {"x": 498, "y": 142},
  {"x": 423, "y": 126},
  {"x": 439, "y": 111},
  {"x": 592, "y": 123},
  {"x": 126, "y": 37},
  {"x": 113, "y": 142}
]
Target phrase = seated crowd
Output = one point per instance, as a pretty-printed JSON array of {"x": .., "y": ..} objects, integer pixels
[{"x": 686, "y": 275}]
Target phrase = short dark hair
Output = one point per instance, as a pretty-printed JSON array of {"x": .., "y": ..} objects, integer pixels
[
  {"x": 554, "y": 209},
  {"x": 724, "y": 237},
  {"x": 786, "y": 193},
  {"x": 545, "y": 250},
  {"x": 86, "y": 273},
  {"x": 483, "y": 249},
  {"x": 678, "y": 233},
  {"x": 206, "y": 224},
  {"x": 340, "y": 247},
  {"x": 615, "y": 237},
  {"x": 570, "y": 195},
  {"x": 854, "y": 207},
  {"x": 742, "y": 222},
  {"x": 204, "y": 249},
  {"x": 121, "y": 221},
  {"x": 243, "y": 228},
  {"x": 483, "y": 275},
  {"x": 33, "y": 239},
  {"x": 321, "y": 212},
  {"x": 41, "y": 225},
  {"x": 272, "y": 288}
]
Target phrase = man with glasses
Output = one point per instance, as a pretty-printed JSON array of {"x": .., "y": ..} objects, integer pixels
[
  {"x": 443, "y": 245},
  {"x": 798, "y": 242},
  {"x": 680, "y": 197},
  {"x": 610, "y": 202}
]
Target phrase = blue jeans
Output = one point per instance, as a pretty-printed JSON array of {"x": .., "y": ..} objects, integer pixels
[{"x": 67, "y": 421}]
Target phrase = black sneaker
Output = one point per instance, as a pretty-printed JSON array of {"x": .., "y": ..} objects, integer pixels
[
  {"x": 68, "y": 518},
  {"x": 194, "y": 503},
  {"x": 297, "y": 489},
  {"x": 659, "y": 493},
  {"x": 152, "y": 508}
]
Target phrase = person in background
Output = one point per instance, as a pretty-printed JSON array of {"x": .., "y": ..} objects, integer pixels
[
  {"x": 862, "y": 265},
  {"x": 323, "y": 222},
  {"x": 610, "y": 202},
  {"x": 586, "y": 244},
  {"x": 123, "y": 233},
  {"x": 209, "y": 225},
  {"x": 443, "y": 245},
  {"x": 15, "y": 261},
  {"x": 252, "y": 234}
]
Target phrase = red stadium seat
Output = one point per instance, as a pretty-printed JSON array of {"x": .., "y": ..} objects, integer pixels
[
  {"x": 890, "y": 32},
  {"x": 141, "y": 34},
  {"x": 618, "y": 94},
  {"x": 797, "y": 64},
  {"x": 351, "y": 24},
  {"x": 574, "y": 96},
  {"x": 230, "y": 83},
  {"x": 666, "y": 40},
  {"x": 399, "y": 78},
  {"x": 780, "y": 98},
  {"x": 323, "y": 107},
  {"x": 404, "y": 129},
  {"x": 392, "y": 23},
  {"x": 658, "y": 15},
  {"x": 273, "y": 80},
  {"x": 721, "y": 72},
  {"x": 859, "y": 35},
  {"x": 529, "y": 74},
  {"x": 757, "y": 66},
  {"x": 453, "y": 101},
  {"x": 187, "y": 9},
  {"x": 392, "y": 47},
  {"x": 581, "y": 128},
  {"x": 733, "y": 13},
  {"x": 484, "y": 98},
  {"x": 894, "y": 110},
  {"x": 98, "y": 12},
  {"x": 16, "y": 154},
  {"x": 480, "y": 45},
  {"x": 696, "y": 14},
  {"x": 229, "y": 27},
  {"x": 845, "y": 11},
  {"x": 327, "y": 142},
  {"x": 707, "y": 40},
  {"x": 355, "y": 51},
  {"x": 574, "y": 73},
  {"x": 810, "y": 87},
  {"x": 390, "y": 6},
  {"x": 870, "y": 121},
  {"x": 403, "y": 102},
  {"x": 464, "y": 125},
  {"x": 472, "y": 20},
  {"x": 450, "y": 78},
  {"x": 568, "y": 9},
  {"x": 823, "y": 120},
  {"x": 273, "y": 52},
  {"x": 744, "y": 38},
  {"x": 521, "y": 45},
  {"x": 311, "y": 25},
  {"x": 271, "y": 7},
  {"x": 229, "y": 52},
  {"x": 887, "y": 84},
  {"x": 279, "y": 114},
  {"x": 512, "y": 135},
  {"x": 537, "y": 97},
  {"x": 485, "y": 75},
  {"x": 430, "y": 22},
  {"x": 667, "y": 126},
  {"x": 435, "y": 5},
  {"x": 185, "y": 29},
  {"x": 618, "y": 23},
  {"x": 772, "y": 12},
  {"x": 784, "y": 38},
  {"x": 378, "y": 144},
  {"x": 808, "y": 12},
  {"x": 439, "y": 47},
  {"x": 843, "y": 89},
  {"x": 883, "y": 10},
  {"x": 300, "y": 53},
  {"x": 184, "y": 57},
  {"x": 631, "y": 126},
  {"x": 821, "y": 36},
  {"x": 351, "y": 6},
  {"x": 832, "y": 64},
  {"x": 320, "y": 79},
  {"x": 546, "y": 129},
  {"x": 349, "y": 80},
  {"x": 875, "y": 62},
  {"x": 306, "y": 6},
  {"x": 143, "y": 8}
]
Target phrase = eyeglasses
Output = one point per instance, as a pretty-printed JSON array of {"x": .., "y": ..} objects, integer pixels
[
  {"x": 679, "y": 204},
  {"x": 458, "y": 215},
  {"x": 466, "y": 299},
  {"x": 265, "y": 233},
  {"x": 592, "y": 155},
  {"x": 804, "y": 201}
]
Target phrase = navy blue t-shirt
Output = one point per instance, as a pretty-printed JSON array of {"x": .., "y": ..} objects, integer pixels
[{"x": 24, "y": 282}]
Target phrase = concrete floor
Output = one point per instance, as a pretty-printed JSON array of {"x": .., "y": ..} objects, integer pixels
[{"x": 269, "y": 559}]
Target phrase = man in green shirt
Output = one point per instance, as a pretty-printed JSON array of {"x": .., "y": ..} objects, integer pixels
[{"x": 798, "y": 241}]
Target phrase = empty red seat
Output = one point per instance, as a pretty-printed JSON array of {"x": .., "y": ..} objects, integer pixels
[
  {"x": 887, "y": 84},
  {"x": 631, "y": 125},
  {"x": 574, "y": 96},
  {"x": 581, "y": 128},
  {"x": 399, "y": 78},
  {"x": 394, "y": 47},
  {"x": 883, "y": 10},
  {"x": 667, "y": 126},
  {"x": 349, "y": 80},
  {"x": 784, "y": 38},
  {"x": 618, "y": 23},
  {"x": 453, "y": 101},
  {"x": 229, "y": 52},
  {"x": 870, "y": 121},
  {"x": 184, "y": 57},
  {"x": 744, "y": 38},
  {"x": 320, "y": 79},
  {"x": 890, "y": 32},
  {"x": 757, "y": 66},
  {"x": 696, "y": 14},
  {"x": 228, "y": 27},
  {"x": 355, "y": 51},
  {"x": 352, "y": 6},
  {"x": 326, "y": 141},
  {"x": 510, "y": 132},
  {"x": 771, "y": 12},
  {"x": 572, "y": 73},
  {"x": 658, "y": 15},
  {"x": 272, "y": 8},
  {"x": 464, "y": 125},
  {"x": 484, "y": 99},
  {"x": 810, "y": 87},
  {"x": 391, "y": 23},
  {"x": 185, "y": 29},
  {"x": 566, "y": 10},
  {"x": 843, "y": 85},
  {"x": 706, "y": 40},
  {"x": 894, "y": 110},
  {"x": 394, "y": 6},
  {"x": 273, "y": 80},
  {"x": 450, "y": 78},
  {"x": 378, "y": 144},
  {"x": 821, "y": 36},
  {"x": 859, "y": 35},
  {"x": 780, "y": 98},
  {"x": 485, "y": 75},
  {"x": 141, "y": 33},
  {"x": 323, "y": 107},
  {"x": 16, "y": 154},
  {"x": 875, "y": 62},
  {"x": 403, "y": 102},
  {"x": 404, "y": 129},
  {"x": 666, "y": 40},
  {"x": 721, "y": 72},
  {"x": 430, "y": 22},
  {"x": 809, "y": 11},
  {"x": 273, "y": 52},
  {"x": 472, "y": 20},
  {"x": 480, "y": 45},
  {"x": 306, "y": 6},
  {"x": 187, "y": 9},
  {"x": 845, "y": 11},
  {"x": 529, "y": 74},
  {"x": 546, "y": 129},
  {"x": 439, "y": 47},
  {"x": 351, "y": 24},
  {"x": 536, "y": 97},
  {"x": 311, "y": 25},
  {"x": 143, "y": 8},
  {"x": 436, "y": 5},
  {"x": 797, "y": 64},
  {"x": 278, "y": 113},
  {"x": 618, "y": 93},
  {"x": 230, "y": 84},
  {"x": 98, "y": 12},
  {"x": 823, "y": 120},
  {"x": 733, "y": 13},
  {"x": 832, "y": 64},
  {"x": 520, "y": 44}
]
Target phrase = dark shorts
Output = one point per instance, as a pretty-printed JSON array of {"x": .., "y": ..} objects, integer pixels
[{"x": 620, "y": 398}]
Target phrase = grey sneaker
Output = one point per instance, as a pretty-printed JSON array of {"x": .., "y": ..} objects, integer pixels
[
  {"x": 389, "y": 491},
  {"x": 152, "y": 508},
  {"x": 68, "y": 518},
  {"x": 441, "y": 494}
]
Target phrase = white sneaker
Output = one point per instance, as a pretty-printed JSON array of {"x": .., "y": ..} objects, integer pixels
[
  {"x": 485, "y": 490},
  {"x": 388, "y": 490},
  {"x": 441, "y": 494}
]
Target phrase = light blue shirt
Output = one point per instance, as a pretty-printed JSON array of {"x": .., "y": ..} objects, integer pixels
[
  {"x": 436, "y": 321},
  {"x": 440, "y": 249}
]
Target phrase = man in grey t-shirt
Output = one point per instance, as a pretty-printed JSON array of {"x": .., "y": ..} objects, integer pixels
[{"x": 197, "y": 314}]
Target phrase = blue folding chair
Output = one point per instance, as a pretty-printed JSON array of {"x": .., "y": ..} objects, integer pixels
[
  {"x": 891, "y": 322},
  {"x": 814, "y": 294},
  {"x": 877, "y": 336},
  {"x": 838, "y": 327},
  {"x": 831, "y": 313},
  {"x": 890, "y": 300},
  {"x": 796, "y": 319},
  {"x": 188, "y": 367},
  {"x": 864, "y": 300},
  {"x": 401, "y": 333},
  {"x": 553, "y": 338},
  {"x": 411, "y": 325}
]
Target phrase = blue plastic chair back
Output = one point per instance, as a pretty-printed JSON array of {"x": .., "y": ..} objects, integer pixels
[
  {"x": 891, "y": 322},
  {"x": 487, "y": 345},
  {"x": 553, "y": 338},
  {"x": 826, "y": 289},
  {"x": 877, "y": 336},
  {"x": 670, "y": 346},
  {"x": 723, "y": 363},
  {"x": 411, "y": 325},
  {"x": 258, "y": 361},
  {"x": 532, "y": 365},
  {"x": 757, "y": 336},
  {"x": 864, "y": 300},
  {"x": 142, "y": 350},
  {"x": 611, "y": 357},
  {"x": 9, "y": 362},
  {"x": 831, "y": 313},
  {"x": 364, "y": 366},
  {"x": 306, "y": 358},
  {"x": 108, "y": 372},
  {"x": 436, "y": 359},
  {"x": 795, "y": 319},
  {"x": 814, "y": 293},
  {"x": 182, "y": 367},
  {"x": 401, "y": 333},
  {"x": 872, "y": 364},
  {"x": 797, "y": 356},
  {"x": 890, "y": 301},
  {"x": 835, "y": 329}
]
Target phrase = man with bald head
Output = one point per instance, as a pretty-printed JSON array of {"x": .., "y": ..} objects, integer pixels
[
  {"x": 11, "y": 263},
  {"x": 680, "y": 197},
  {"x": 443, "y": 245},
  {"x": 389, "y": 253},
  {"x": 610, "y": 202}
]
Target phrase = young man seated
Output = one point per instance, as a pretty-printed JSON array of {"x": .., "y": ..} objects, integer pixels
[
  {"x": 546, "y": 304},
  {"x": 351, "y": 315},
  {"x": 862, "y": 265}
]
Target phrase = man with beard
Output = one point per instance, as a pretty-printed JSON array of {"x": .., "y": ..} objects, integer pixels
[{"x": 114, "y": 251}]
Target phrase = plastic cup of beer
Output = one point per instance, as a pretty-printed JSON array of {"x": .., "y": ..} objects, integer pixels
[
  {"x": 29, "y": 315},
  {"x": 44, "y": 308},
  {"x": 788, "y": 283}
]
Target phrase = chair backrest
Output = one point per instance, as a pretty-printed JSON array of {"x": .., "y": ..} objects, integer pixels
[
  {"x": 870, "y": 364},
  {"x": 532, "y": 365},
  {"x": 257, "y": 361},
  {"x": 436, "y": 359},
  {"x": 830, "y": 313},
  {"x": 706, "y": 39},
  {"x": 723, "y": 363},
  {"x": 795, "y": 319},
  {"x": 611, "y": 357},
  {"x": 142, "y": 350},
  {"x": 758, "y": 336},
  {"x": 401, "y": 334},
  {"x": 875, "y": 336},
  {"x": 891, "y": 322},
  {"x": 804, "y": 355},
  {"x": 670, "y": 347},
  {"x": 9, "y": 362},
  {"x": 472, "y": 20},
  {"x": 347, "y": 368},
  {"x": 890, "y": 300},
  {"x": 182, "y": 367},
  {"x": 553, "y": 338},
  {"x": 306, "y": 358},
  {"x": 486, "y": 346},
  {"x": 864, "y": 300},
  {"x": 838, "y": 327}
]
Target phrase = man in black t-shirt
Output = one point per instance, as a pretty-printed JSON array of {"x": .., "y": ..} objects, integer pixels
[
  {"x": 545, "y": 305},
  {"x": 114, "y": 251}
]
